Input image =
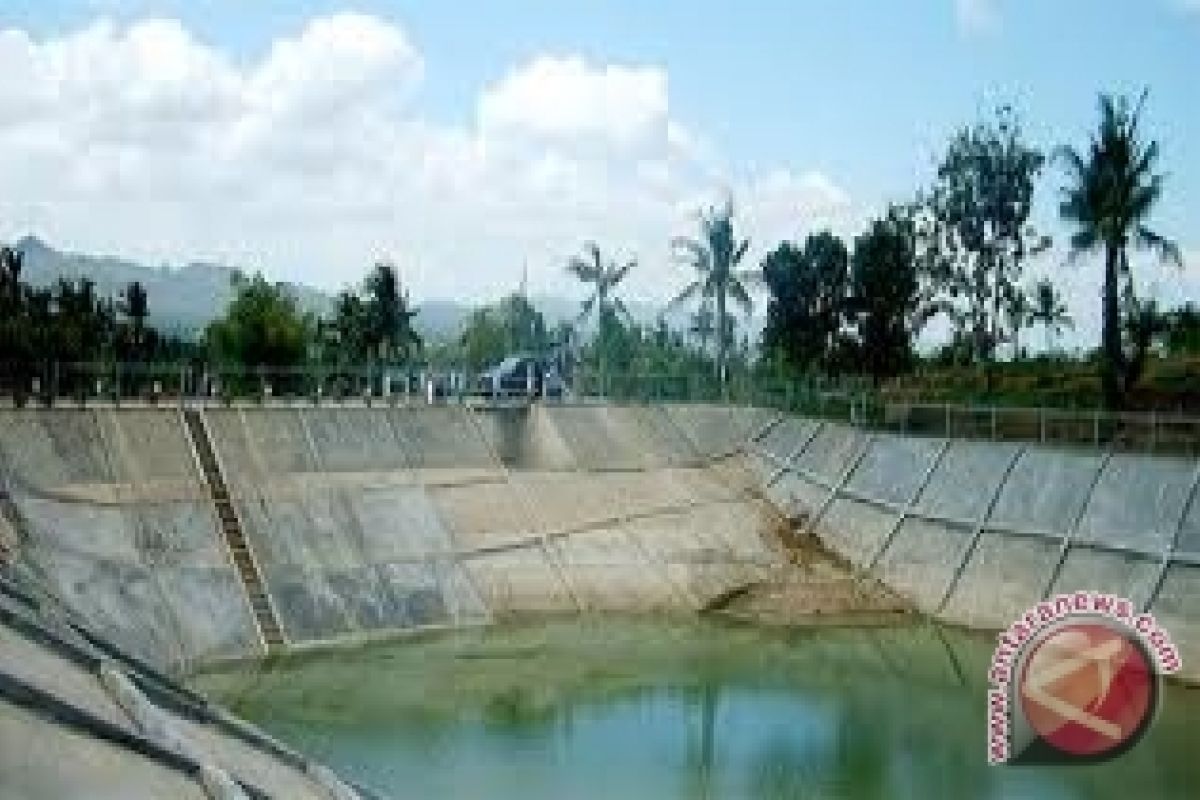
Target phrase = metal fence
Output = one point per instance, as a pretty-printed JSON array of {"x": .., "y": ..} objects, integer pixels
[{"x": 853, "y": 402}]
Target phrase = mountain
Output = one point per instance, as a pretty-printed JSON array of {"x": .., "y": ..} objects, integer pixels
[{"x": 182, "y": 299}]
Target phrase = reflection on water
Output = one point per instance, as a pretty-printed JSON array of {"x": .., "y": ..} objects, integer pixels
[{"x": 633, "y": 708}]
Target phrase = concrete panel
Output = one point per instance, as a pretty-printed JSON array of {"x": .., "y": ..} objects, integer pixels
[
  {"x": 831, "y": 451},
  {"x": 243, "y": 472},
  {"x": 525, "y": 438},
  {"x": 476, "y": 516},
  {"x": 1137, "y": 502},
  {"x": 965, "y": 480},
  {"x": 151, "y": 444},
  {"x": 278, "y": 441},
  {"x": 661, "y": 442},
  {"x": 210, "y": 613},
  {"x": 606, "y": 570},
  {"x": 1006, "y": 575},
  {"x": 441, "y": 437},
  {"x": 40, "y": 761},
  {"x": 81, "y": 528},
  {"x": 1086, "y": 568},
  {"x": 519, "y": 580},
  {"x": 783, "y": 438},
  {"x": 712, "y": 430},
  {"x": 921, "y": 560},
  {"x": 177, "y": 533},
  {"x": 855, "y": 530},
  {"x": 596, "y": 442},
  {"x": 27, "y": 453},
  {"x": 1189, "y": 531},
  {"x": 893, "y": 467},
  {"x": 354, "y": 440},
  {"x": 120, "y": 600},
  {"x": 1045, "y": 490},
  {"x": 1177, "y": 608}
]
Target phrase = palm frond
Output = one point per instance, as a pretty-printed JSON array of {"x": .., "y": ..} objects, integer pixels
[
  {"x": 689, "y": 292},
  {"x": 1166, "y": 249}
]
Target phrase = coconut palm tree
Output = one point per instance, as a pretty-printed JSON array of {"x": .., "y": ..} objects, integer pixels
[
  {"x": 1050, "y": 311},
  {"x": 1112, "y": 191},
  {"x": 602, "y": 278},
  {"x": 715, "y": 256}
]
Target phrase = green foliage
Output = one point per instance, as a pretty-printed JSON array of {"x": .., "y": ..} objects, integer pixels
[
  {"x": 389, "y": 334},
  {"x": 1112, "y": 189},
  {"x": 976, "y": 233},
  {"x": 884, "y": 292},
  {"x": 602, "y": 278},
  {"x": 511, "y": 326},
  {"x": 1049, "y": 311},
  {"x": 809, "y": 289},
  {"x": 715, "y": 256},
  {"x": 263, "y": 326}
]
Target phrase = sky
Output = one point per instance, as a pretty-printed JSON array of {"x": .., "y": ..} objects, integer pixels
[{"x": 470, "y": 142}]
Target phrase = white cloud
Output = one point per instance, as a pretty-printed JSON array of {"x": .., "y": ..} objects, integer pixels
[
  {"x": 976, "y": 16},
  {"x": 315, "y": 158}
]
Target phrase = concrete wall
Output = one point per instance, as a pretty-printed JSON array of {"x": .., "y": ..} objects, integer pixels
[
  {"x": 976, "y": 532},
  {"x": 370, "y": 520},
  {"x": 116, "y": 522}
]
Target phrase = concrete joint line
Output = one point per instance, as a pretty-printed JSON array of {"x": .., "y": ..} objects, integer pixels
[
  {"x": 1169, "y": 554},
  {"x": 527, "y": 508},
  {"x": 758, "y": 434},
  {"x": 836, "y": 490},
  {"x": 907, "y": 508},
  {"x": 783, "y": 467},
  {"x": 1072, "y": 530},
  {"x": 308, "y": 439},
  {"x": 980, "y": 526}
]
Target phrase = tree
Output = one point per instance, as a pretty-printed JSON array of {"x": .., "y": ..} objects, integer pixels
[
  {"x": 602, "y": 277},
  {"x": 808, "y": 292},
  {"x": 262, "y": 326},
  {"x": 884, "y": 300},
  {"x": 1049, "y": 311},
  {"x": 391, "y": 336},
  {"x": 495, "y": 331},
  {"x": 977, "y": 234},
  {"x": 1112, "y": 190},
  {"x": 347, "y": 338},
  {"x": 135, "y": 306},
  {"x": 715, "y": 256}
]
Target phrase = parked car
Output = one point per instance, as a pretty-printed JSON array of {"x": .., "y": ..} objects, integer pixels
[{"x": 521, "y": 375}]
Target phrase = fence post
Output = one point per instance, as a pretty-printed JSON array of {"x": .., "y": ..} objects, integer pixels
[
  {"x": 1096, "y": 428},
  {"x": 1042, "y": 424},
  {"x": 993, "y": 423},
  {"x": 1153, "y": 430}
]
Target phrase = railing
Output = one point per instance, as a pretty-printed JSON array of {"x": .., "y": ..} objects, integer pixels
[{"x": 852, "y": 402}]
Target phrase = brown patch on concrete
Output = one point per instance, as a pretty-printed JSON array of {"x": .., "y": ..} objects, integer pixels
[{"x": 816, "y": 586}]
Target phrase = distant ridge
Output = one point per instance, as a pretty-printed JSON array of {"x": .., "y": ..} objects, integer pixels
[{"x": 184, "y": 299}]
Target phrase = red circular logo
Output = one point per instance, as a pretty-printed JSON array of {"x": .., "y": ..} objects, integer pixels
[{"x": 1087, "y": 689}]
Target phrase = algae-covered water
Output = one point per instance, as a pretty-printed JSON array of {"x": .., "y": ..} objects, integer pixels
[{"x": 604, "y": 707}]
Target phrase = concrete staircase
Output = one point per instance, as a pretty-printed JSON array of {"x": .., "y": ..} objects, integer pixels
[{"x": 243, "y": 557}]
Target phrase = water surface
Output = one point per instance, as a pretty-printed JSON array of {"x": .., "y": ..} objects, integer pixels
[{"x": 611, "y": 707}]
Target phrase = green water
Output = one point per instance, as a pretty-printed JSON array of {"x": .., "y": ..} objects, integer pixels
[{"x": 632, "y": 708}]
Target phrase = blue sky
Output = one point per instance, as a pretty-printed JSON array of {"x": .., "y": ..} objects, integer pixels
[{"x": 844, "y": 100}]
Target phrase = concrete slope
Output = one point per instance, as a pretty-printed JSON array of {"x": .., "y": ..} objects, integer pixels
[{"x": 977, "y": 532}]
